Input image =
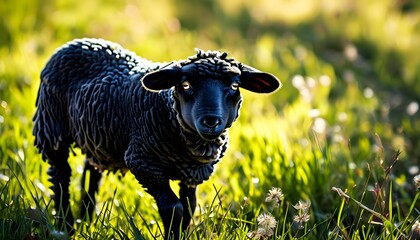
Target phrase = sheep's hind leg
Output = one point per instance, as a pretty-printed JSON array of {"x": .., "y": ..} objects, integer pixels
[
  {"x": 188, "y": 200},
  {"x": 88, "y": 195},
  {"x": 60, "y": 173}
]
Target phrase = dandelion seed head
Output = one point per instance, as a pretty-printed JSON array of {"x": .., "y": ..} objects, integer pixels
[
  {"x": 303, "y": 213},
  {"x": 261, "y": 233},
  {"x": 302, "y": 218},
  {"x": 266, "y": 221},
  {"x": 266, "y": 224},
  {"x": 274, "y": 195},
  {"x": 303, "y": 206}
]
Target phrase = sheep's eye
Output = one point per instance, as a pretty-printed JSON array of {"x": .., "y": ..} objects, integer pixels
[
  {"x": 234, "y": 86},
  {"x": 186, "y": 86}
]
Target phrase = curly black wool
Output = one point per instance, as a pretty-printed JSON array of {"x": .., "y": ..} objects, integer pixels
[
  {"x": 89, "y": 106},
  {"x": 130, "y": 114}
]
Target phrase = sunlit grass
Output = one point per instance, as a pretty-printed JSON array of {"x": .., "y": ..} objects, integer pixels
[{"x": 349, "y": 102}]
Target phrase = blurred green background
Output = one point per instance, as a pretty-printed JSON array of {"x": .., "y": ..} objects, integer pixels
[{"x": 350, "y": 98}]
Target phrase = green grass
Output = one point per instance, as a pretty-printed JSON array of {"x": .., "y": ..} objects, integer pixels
[{"x": 342, "y": 133}]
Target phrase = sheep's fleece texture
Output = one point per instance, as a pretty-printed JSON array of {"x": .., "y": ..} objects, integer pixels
[
  {"x": 97, "y": 101},
  {"x": 91, "y": 96}
]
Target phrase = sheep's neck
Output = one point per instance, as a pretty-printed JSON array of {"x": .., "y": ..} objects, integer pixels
[{"x": 201, "y": 150}]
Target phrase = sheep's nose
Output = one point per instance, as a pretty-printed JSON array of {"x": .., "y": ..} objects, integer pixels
[{"x": 211, "y": 121}]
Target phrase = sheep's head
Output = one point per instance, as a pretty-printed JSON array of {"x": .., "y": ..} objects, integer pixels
[{"x": 206, "y": 90}]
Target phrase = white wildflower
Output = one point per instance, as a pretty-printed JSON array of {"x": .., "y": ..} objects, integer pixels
[{"x": 274, "y": 195}]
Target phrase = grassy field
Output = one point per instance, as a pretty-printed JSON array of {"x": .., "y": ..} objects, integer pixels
[{"x": 334, "y": 154}]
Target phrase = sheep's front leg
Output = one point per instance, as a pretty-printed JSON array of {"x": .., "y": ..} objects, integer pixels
[
  {"x": 156, "y": 183},
  {"x": 188, "y": 200},
  {"x": 170, "y": 208}
]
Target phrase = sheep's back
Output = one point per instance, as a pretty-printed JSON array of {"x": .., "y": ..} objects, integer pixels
[
  {"x": 83, "y": 97},
  {"x": 89, "y": 60}
]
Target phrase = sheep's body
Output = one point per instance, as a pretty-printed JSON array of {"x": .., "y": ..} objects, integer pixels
[
  {"x": 104, "y": 105},
  {"x": 91, "y": 94}
]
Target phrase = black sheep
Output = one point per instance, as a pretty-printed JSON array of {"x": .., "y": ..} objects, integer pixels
[{"x": 160, "y": 121}]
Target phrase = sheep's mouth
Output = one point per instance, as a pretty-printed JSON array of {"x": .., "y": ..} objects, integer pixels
[{"x": 210, "y": 134}]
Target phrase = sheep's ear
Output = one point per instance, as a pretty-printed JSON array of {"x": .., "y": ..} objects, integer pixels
[
  {"x": 257, "y": 81},
  {"x": 164, "y": 78}
]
